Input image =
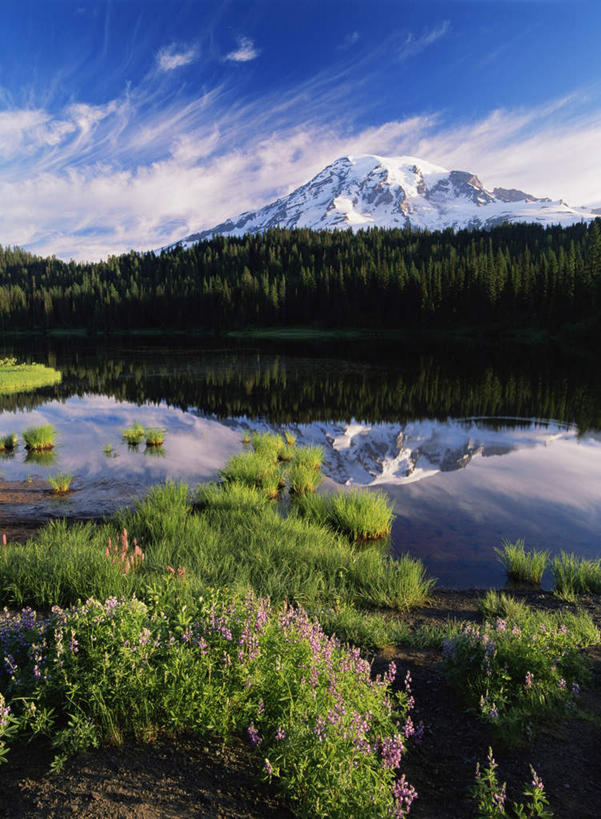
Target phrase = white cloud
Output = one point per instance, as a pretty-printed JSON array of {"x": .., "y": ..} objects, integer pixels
[
  {"x": 143, "y": 171},
  {"x": 169, "y": 58},
  {"x": 245, "y": 52},
  {"x": 413, "y": 45}
]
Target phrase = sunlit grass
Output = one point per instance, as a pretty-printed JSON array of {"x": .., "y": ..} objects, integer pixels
[
  {"x": 8, "y": 442},
  {"x": 38, "y": 439},
  {"x": 267, "y": 444},
  {"x": 134, "y": 434},
  {"x": 154, "y": 436},
  {"x": 258, "y": 469},
  {"x": 575, "y": 575},
  {"x": 303, "y": 479},
  {"x": 23, "y": 377},
  {"x": 360, "y": 515},
  {"x": 523, "y": 566},
  {"x": 60, "y": 483}
]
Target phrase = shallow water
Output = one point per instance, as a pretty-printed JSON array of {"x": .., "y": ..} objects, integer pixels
[{"x": 471, "y": 447}]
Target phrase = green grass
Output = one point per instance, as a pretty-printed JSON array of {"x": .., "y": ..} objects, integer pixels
[
  {"x": 8, "y": 442},
  {"x": 267, "y": 444},
  {"x": 60, "y": 483},
  {"x": 155, "y": 436},
  {"x": 38, "y": 439},
  {"x": 134, "y": 434},
  {"x": 303, "y": 479},
  {"x": 24, "y": 377},
  {"x": 523, "y": 566},
  {"x": 359, "y": 515},
  {"x": 310, "y": 457},
  {"x": 255, "y": 469},
  {"x": 574, "y": 575},
  {"x": 222, "y": 543},
  {"x": 289, "y": 437}
]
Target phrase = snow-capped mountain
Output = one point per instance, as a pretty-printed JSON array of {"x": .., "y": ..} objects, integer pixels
[{"x": 403, "y": 191}]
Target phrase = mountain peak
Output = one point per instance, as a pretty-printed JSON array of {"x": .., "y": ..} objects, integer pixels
[{"x": 369, "y": 190}]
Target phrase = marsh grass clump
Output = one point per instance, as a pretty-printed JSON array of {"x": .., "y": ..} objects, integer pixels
[
  {"x": 258, "y": 469},
  {"x": 267, "y": 444},
  {"x": 361, "y": 515},
  {"x": 246, "y": 438},
  {"x": 310, "y": 457},
  {"x": 39, "y": 439},
  {"x": 154, "y": 436},
  {"x": 8, "y": 442},
  {"x": 230, "y": 496},
  {"x": 574, "y": 575},
  {"x": 523, "y": 566},
  {"x": 60, "y": 483},
  {"x": 134, "y": 434},
  {"x": 303, "y": 479},
  {"x": 289, "y": 437}
]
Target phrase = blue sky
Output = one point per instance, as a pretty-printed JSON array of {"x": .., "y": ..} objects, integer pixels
[{"x": 129, "y": 123}]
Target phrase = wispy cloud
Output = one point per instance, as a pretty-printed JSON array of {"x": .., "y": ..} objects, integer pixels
[
  {"x": 413, "y": 45},
  {"x": 150, "y": 167},
  {"x": 350, "y": 40},
  {"x": 170, "y": 58},
  {"x": 245, "y": 52}
]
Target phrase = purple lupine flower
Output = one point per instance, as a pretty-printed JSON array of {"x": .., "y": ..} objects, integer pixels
[
  {"x": 575, "y": 689},
  {"x": 529, "y": 679},
  {"x": 280, "y": 735},
  {"x": 269, "y": 767},
  {"x": 537, "y": 782},
  {"x": 392, "y": 750},
  {"x": 261, "y": 707},
  {"x": 562, "y": 684},
  {"x": 404, "y": 794},
  {"x": 390, "y": 675},
  {"x": 253, "y": 736}
]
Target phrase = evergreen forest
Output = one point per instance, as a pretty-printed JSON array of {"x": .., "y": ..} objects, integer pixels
[{"x": 514, "y": 276}]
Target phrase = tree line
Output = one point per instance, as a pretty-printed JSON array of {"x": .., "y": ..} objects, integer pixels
[{"x": 516, "y": 275}]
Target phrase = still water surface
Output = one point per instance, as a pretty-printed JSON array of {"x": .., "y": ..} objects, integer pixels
[{"x": 472, "y": 445}]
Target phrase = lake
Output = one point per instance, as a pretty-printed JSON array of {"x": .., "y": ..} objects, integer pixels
[{"x": 473, "y": 444}]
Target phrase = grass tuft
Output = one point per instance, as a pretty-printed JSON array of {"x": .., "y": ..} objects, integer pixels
[
  {"x": 134, "y": 434},
  {"x": 303, "y": 479},
  {"x": 267, "y": 444},
  {"x": 39, "y": 439},
  {"x": 60, "y": 483},
  {"x": 523, "y": 566},
  {"x": 258, "y": 469},
  {"x": 574, "y": 575},
  {"x": 8, "y": 442},
  {"x": 361, "y": 515},
  {"x": 155, "y": 436},
  {"x": 310, "y": 457}
]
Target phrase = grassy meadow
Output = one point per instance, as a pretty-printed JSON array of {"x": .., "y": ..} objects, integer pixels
[
  {"x": 251, "y": 607},
  {"x": 16, "y": 377}
]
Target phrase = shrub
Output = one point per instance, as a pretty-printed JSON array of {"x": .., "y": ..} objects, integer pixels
[
  {"x": 518, "y": 674},
  {"x": 38, "y": 439},
  {"x": 328, "y": 734},
  {"x": 574, "y": 575},
  {"x": 523, "y": 566},
  {"x": 60, "y": 483}
]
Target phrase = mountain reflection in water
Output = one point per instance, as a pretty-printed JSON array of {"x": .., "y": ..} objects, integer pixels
[{"x": 448, "y": 432}]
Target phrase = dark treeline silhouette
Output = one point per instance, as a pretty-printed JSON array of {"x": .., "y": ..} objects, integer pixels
[
  {"x": 332, "y": 382},
  {"x": 515, "y": 276}
]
